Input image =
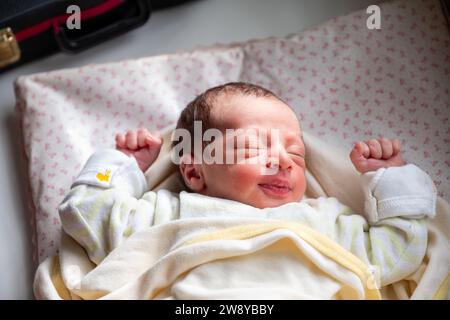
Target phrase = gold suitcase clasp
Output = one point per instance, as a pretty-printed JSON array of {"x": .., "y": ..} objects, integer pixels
[{"x": 9, "y": 49}]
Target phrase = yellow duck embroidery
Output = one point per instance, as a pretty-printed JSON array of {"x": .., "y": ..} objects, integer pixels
[{"x": 103, "y": 177}]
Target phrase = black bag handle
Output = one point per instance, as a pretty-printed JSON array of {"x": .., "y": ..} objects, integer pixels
[{"x": 82, "y": 43}]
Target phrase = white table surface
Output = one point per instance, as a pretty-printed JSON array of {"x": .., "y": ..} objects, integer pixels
[{"x": 196, "y": 23}]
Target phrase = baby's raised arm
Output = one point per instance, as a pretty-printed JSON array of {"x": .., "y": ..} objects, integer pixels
[
  {"x": 110, "y": 200},
  {"x": 140, "y": 144},
  {"x": 374, "y": 154},
  {"x": 398, "y": 198}
]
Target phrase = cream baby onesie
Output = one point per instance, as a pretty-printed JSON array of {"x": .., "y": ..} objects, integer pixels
[{"x": 110, "y": 200}]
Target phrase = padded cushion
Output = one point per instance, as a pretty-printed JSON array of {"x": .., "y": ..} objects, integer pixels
[{"x": 344, "y": 81}]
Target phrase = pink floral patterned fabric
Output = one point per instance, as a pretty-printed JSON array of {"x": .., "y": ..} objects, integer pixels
[{"x": 344, "y": 81}]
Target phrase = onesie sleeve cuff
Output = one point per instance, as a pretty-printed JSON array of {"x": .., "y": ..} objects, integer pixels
[
  {"x": 110, "y": 168},
  {"x": 405, "y": 191}
]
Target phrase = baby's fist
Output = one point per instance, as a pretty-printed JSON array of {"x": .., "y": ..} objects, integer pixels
[
  {"x": 140, "y": 144},
  {"x": 375, "y": 154}
]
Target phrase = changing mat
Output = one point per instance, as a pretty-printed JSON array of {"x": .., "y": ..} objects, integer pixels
[{"x": 344, "y": 81}]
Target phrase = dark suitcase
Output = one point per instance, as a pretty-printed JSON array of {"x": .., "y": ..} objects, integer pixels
[{"x": 30, "y": 29}]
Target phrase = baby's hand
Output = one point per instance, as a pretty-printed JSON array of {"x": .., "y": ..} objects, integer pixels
[
  {"x": 140, "y": 144},
  {"x": 375, "y": 154}
]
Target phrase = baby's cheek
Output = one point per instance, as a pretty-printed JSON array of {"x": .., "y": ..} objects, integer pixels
[
  {"x": 300, "y": 179},
  {"x": 245, "y": 175}
]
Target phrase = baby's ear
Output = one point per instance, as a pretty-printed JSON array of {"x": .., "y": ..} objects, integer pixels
[{"x": 192, "y": 173}]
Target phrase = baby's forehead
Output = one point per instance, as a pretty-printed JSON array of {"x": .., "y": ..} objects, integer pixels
[
  {"x": 256, "y": 127},
  {"x": 238, "y": 110}
]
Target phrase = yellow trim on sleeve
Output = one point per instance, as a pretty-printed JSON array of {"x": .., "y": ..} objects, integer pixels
[{"x": 320, "y": 242}]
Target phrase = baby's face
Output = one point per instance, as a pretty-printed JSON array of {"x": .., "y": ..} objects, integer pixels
[{"x": 249, "y": 183}]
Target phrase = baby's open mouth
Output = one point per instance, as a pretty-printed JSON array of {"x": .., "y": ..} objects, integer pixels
[{"x": 277, "y": 189}]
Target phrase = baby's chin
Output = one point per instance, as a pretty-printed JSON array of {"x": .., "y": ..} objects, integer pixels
[
  {"x": 270, "y": 199},
  {"x": 260, "y": 199},
  {"x": 268, "y": 202}
]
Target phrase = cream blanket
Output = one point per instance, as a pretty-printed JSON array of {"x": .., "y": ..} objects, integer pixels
[{"x": 214, "y": 258}]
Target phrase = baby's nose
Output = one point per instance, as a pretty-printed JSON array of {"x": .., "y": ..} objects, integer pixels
[{"x": 282, "y": 162}]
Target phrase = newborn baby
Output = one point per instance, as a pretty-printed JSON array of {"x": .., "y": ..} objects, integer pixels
[{"x": 110, "y": 199}]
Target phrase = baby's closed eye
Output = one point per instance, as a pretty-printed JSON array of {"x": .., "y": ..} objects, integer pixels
[
  {"x": 250, "y": 151},
  {"x": 249, "y": 144},
  {"x": 298, "y": 155},
  {"x": 296, "y": 151}
]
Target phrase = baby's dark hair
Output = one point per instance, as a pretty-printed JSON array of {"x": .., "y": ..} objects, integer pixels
[{"x": 200, "y": 109}]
